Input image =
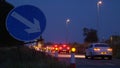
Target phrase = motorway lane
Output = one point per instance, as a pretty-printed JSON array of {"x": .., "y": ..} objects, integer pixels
[
  {"x": 81, "y": 62},
  {"x": 68, "y": 56},
  {"x": 88, "y": 63}
]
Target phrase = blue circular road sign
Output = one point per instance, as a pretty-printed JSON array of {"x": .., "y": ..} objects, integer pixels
[{"x": 26, "y": 23}]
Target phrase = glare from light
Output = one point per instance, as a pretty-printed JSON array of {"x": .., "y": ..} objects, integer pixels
[
  {"x": 73, "y": 49},
  {"x": 96, "y": 49},
  {"x": 68, "y": 21},
  {"x": 109, "y": 49},
  {"x": 99, "y": 3},
  {"x": 68, "y": 56}
]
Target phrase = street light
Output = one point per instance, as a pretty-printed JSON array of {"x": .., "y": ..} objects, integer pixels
[
  {"x": 99, "y": 3},
  {"x": 67, "y": 32},
  {"x": 67, "y": 21}
]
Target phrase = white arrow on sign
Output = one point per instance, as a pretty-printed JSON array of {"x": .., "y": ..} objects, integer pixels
[{"x": 33, "y": 27}]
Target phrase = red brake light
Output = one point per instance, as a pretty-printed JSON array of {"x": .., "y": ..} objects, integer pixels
[
  {"x": 53, "y": 48},
  {"x": 60, "y": 48},
  {"x": 64, "y": 45},
  {"x": 68, "y": 48},
  {"x": 55, "y": 45}
]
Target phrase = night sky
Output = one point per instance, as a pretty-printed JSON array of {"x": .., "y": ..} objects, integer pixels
[{"x": 82, "y": 13}]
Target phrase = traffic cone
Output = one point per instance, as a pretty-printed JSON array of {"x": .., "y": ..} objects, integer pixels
[
  {"x": 56, "y": 55},
  {"x": 72, "y": 61}
]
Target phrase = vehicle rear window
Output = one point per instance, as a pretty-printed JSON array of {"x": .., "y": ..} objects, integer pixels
[{"x": 101, "y": 45}]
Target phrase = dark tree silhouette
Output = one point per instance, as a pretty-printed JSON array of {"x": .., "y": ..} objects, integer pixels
[
  {"x": 5, "y": 38},
  {"x": 90, "y": 35}
]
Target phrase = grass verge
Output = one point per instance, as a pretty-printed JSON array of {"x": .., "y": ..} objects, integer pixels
[{"x": 23, "y": 57}]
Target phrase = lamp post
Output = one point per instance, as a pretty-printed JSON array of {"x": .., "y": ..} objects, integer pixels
[
  {"x": 67, "y": 32},
  {"x": 99, "y": 3}
]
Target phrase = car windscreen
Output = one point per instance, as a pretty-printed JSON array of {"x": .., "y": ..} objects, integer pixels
[{"x": 101, "y": 45}]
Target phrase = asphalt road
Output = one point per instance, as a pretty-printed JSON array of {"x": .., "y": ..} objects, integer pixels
[
  {"x": 88, "y": 63},
  {"x": 81, "y": 62}
]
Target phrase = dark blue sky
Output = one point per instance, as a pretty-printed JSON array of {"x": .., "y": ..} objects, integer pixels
[{"x": 82, "y": 13}]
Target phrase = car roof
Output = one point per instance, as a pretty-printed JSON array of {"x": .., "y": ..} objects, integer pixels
[
  {"x": 94, "y": 44},
  {"x": 98, "y": 43}
]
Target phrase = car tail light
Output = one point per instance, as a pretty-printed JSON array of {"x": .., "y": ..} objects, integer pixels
[
  {"x": 109, "y": 49},
  {"x": 53, "y": 48},
  {"x": 96, "y": 49},
  {"x": 60, "y": 48},
  {"x": 68, "y": 48},
  {"x": 56, "y": 45},
  {"x": 64, "y": 45}
]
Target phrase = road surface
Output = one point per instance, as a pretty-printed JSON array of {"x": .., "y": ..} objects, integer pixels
[{"x": 81, "y": 62}]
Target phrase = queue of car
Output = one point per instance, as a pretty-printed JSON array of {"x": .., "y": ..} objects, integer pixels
[
  {"x": 61, "y": 48},
  {"x": 92, "y": 51}
]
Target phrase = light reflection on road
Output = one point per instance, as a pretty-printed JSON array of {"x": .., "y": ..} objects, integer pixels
[{"x": 68, "y": 56}]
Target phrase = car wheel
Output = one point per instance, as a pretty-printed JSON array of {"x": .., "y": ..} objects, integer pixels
[
  {"x": 92, "y": 57},
  {"x": 86, "y": 57},
  {"x": 102, "y": 57},
  {"x": 110, "y": 57}
]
